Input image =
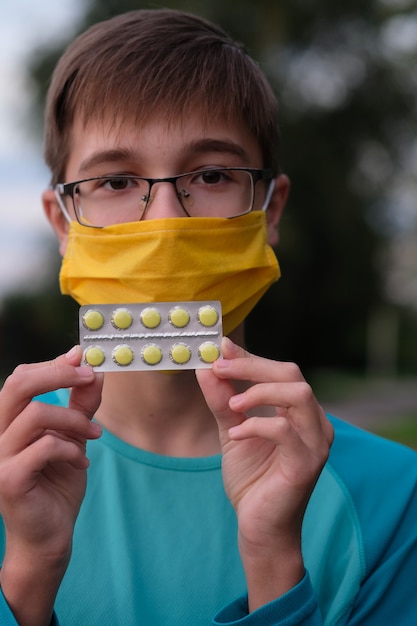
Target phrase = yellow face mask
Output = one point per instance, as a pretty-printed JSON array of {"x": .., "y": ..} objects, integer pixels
[{"x": 173, "y": 259}]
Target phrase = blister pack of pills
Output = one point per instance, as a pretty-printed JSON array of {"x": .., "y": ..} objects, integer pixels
[{"x": 160, "y": 335}]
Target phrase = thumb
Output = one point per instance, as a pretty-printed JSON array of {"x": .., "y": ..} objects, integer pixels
[
  {"x": 87, "y": 397},
  {"x": 217, "y": 393}
]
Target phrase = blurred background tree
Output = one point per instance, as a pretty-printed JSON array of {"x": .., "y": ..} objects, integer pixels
[{"x": 344, "y": 74}]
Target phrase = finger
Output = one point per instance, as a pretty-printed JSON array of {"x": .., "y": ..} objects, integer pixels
[
  {"x": 217, "y": 394},
  {"x": 87, "y": 398},
  {"x": 238, "y": 364},
  {"x": 52, "y": 449},
  {"x": 31, "y": 380},
  {"x": 22, "y": 473},
  {"x": 231, "y": 350},
  {"x": 301, "y": 408},
  {"x": 299, "y": 465},
  {"x": 278, "y": 430},
  {"x": 285, "y": 395},
  {"x": 39, "y": 418}
]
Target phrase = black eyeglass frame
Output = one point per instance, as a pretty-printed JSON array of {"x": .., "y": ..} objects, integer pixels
[{"x": 67, "y": 189}]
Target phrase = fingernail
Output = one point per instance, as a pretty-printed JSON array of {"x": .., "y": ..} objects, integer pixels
[
  {"x": 74, "y": 350},
  {"x": 96, "y": 428},
  {"x": 230, "y": 348},
  {"x": 227, "y": 343},
  {"x": 84, "y": 371},
  {"x": 236, "y": 400},
  {"x": 222, "y": 363}
]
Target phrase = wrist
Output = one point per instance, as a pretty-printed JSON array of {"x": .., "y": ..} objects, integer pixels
[
  {"x": 30, "y": 582},
  {"x": 271, "y": 570}
]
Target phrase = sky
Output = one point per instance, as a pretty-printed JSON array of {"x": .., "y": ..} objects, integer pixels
[{"x": 24, "y": 231}]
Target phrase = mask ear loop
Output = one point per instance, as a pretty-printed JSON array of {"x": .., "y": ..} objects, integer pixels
[
  {"x": 62, "y": 206},
  {"x": 269, "y": 193}
]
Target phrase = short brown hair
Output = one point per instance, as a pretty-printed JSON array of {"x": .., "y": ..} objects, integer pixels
[{"x": 156, "y": 62}]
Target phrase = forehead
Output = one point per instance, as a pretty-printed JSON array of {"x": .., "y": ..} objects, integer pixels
[{"x": 158, "y": 145}]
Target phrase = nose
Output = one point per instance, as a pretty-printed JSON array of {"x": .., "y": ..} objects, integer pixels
[{"x": 163, "y": 202}]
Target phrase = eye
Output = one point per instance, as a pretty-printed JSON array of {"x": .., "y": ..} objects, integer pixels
[
  {"x": 212, "y": 177},
  {"x": 118, "y": 184}
]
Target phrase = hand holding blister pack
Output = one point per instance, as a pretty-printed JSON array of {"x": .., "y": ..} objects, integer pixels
[{"x": 156, "y": 336}]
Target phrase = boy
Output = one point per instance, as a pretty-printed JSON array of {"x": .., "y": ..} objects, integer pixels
[{"x": 207, "y": 500}]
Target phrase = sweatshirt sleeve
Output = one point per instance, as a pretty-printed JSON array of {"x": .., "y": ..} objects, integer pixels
[
  {"x": 298, "y": 607},
  {"x": 377, "y": 480}
]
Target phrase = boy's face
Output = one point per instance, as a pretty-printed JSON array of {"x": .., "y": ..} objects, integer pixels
[{"x": 157, "y": 151}]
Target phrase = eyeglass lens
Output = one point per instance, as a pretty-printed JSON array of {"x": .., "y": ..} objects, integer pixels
[{"x": 209, "y": 193}]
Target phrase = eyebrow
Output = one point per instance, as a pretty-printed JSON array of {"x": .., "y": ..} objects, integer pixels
[
  {"x": 193, "y": 148},
  {"x": 216, "y": 145},
  {"x": 106, "y": 156}
]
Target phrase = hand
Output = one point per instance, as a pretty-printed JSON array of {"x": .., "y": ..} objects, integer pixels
[
  {"x": 270, "y": 464},
  {"x": 42, "y": 468}
]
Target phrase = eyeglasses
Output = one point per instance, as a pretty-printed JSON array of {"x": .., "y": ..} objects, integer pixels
[{"x": 106, "y": 200}]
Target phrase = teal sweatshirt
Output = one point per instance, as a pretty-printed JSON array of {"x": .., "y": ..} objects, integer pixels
[{"x": 155, "y": 542}]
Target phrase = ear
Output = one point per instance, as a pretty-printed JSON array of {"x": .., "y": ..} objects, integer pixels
[
  {"x": 56, "y": 218},
  {"x": 276, "y": 207}
]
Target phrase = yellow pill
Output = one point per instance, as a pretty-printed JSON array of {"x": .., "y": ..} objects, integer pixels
[
  {"x": 93, "y": 320},
  {"x": 123, "y": 355},
  {"x": 207, "y": 315},
  {"x": 94, "y": 356},
  {"x": 122, "y": 318},
  {"x": 180, "y": 353},
  {"x": 151, "y": 354},
  {"x": 150, "y": 317},
  {"x": 208, "y": 352},
  {"x": 179, "y": 317}
]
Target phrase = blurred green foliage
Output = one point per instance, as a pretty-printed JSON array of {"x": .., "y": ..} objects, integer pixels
[
  {"x": 404, "y": 432},
  {"x": 347, "y": 119}
]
